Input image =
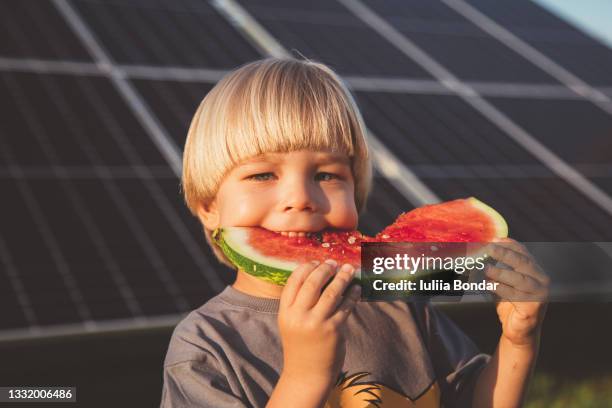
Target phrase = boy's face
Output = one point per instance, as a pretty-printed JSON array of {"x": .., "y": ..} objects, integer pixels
[{"x": 300, "y": 191}]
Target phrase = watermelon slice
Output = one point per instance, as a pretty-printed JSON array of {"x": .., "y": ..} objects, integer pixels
[{"x": 272, "y": 256}]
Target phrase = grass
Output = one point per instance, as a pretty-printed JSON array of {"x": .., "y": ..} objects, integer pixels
[{"x": 548, "y": 391}]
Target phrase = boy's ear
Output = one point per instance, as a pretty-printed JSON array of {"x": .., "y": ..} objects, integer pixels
[{"x": 209, "y": 215}]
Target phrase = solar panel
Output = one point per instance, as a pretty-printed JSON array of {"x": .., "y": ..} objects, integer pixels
[
  {"x": 458, "y": 44},
  {"x": 440, "y": 129},
  {"x": 109, "y": 237},
  {"x": 444, "y": 130},
  {"x": 93, "y": 204},
  {"x": 36, "y": 30},
  {"x": 604, "y": 182},
  {"x": 166, "y": 33},
  {"x": 295, "y": 7},
  {"x": 537, "y": 209},
  {"x": 89, "y": 106},
  {"x": 565, "y": 44},
  {"x": 339, "y": 39},
  {"x": 384, "y": 204},
  {"x": 526, "y": 14},
  {"x": 174, "y": 103},
  {"x": 576, "y": 130},
  {"x": 477, "y": 57}
]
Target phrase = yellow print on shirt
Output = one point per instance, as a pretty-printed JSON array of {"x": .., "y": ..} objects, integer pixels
[{"x": 349, "y": 393}]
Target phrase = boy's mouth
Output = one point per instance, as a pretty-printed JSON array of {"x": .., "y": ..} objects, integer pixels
[{"x": 295, "y": 233}]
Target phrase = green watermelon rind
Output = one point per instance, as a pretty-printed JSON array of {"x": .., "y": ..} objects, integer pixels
[
  {"x": 269, "y": 273},
  {"x": 501, "y": 226}
]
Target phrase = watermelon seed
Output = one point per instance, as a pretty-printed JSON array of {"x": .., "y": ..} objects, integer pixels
[
  {"x": 325, "y": 245},
  {"x": 351, "y": 240}
]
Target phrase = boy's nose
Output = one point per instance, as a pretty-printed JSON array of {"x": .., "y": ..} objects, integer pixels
[{"x": 298, "y": 197}]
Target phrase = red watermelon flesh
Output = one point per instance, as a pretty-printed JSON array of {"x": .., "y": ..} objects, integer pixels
[{"x": 272, "y": 256}]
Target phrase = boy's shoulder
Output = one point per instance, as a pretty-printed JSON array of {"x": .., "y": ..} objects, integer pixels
[
  {"x": 191, "y": 336},
  {"x": 217, "y": 323}
]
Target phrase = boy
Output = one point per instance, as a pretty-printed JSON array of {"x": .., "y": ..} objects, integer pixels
[{"x": 280, "y": 144}]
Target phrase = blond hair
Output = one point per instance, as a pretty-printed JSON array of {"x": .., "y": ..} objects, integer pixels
[{"x": 271, "y": 105}]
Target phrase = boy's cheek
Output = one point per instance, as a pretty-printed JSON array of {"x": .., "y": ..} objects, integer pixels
[
  {"x": 243, "y": 210},
  {"x": 344, "y": 214}
]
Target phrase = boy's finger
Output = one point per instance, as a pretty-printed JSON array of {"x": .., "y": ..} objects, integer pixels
[
  {"x": 527, "y": 265},
  {"x": 347, "y": 305},
  {"x": 332, "y": 294},
  {"x": 508, "y": 256},
  {"x": 514, "y": 245},
  {"x": 295, "y": 281},
  {"x": 517, "y": 280},
  {"x": 310, "y": 291}
]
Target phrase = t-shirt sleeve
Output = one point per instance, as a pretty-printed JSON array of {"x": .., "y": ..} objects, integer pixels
[
  {"x": 455, "y": 358},
  {"x": 197, "y": 383}
]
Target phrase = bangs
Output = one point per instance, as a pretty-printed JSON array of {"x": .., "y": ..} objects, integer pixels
[{"x": 286, "y": 111}]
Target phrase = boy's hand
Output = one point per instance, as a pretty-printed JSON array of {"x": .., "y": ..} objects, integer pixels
[
  {"x": 311, "y": 322},
  {"x": 523, "y": 290}
]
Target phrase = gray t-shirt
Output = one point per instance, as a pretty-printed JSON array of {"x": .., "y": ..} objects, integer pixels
[{"x": 399, "y": 354}]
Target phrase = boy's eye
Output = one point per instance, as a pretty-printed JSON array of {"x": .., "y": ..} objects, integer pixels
[
  {"x": 321, "y": 176},
  {"x": 261, "y": 176},
  {"x": 324, "y": 176}
]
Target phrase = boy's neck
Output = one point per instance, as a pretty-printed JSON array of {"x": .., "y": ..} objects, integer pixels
[{"x": 251, "y": 285}]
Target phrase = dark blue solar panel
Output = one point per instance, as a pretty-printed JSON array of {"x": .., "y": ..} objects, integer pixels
[
  {"x": 559, "y": 40},
  {"x": 432, "y": 12},
  {"x": 76, "y": 113},
  {"x": 522, "y": 13},
  {"x": 444, "y": 130},
  {"x": 174, "y": 103},
  {"x": 35, "y": 29},
  {"x": 69, "y": 169},
  {"x": 298, "y": 6},
  {"x": 591, "y": 61},
  {"x": 427, "y": 129},
  {"x": 536, "y": 209},
  {"x": 336, "y": 38},
  {"x": 578, "y": 131},
  {"x": 457, "y": 43},
  {"x": 12, "y": 313},
  {"x": 477, "y": 57},
  {"x": 166, "y": 34},
  {"x": 384, "y": 204},
  {"x": 604, "y": 182}
]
